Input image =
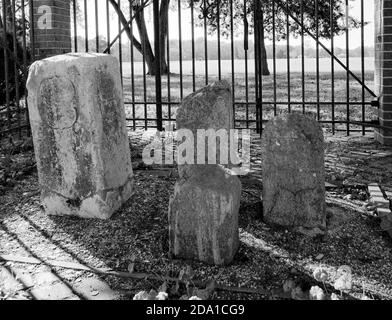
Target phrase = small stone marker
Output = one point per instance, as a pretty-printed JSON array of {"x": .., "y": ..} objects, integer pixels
[
  {"x": 81, "y": 146},
  {"x": 293, "y": 174},
  {"x": 203, "y": 213},
  {"x": 203, "y": 216}
]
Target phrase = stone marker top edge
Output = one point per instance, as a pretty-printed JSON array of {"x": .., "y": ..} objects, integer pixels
[
  {"x": 57, "y": 65},
  {"x": 196, "y": 107},
  {"x": 78, "y": 55},
  {"x": 292, "y": 119},
  {"x": 87, "y": 60},
  {"x": 223, "y": 85}
]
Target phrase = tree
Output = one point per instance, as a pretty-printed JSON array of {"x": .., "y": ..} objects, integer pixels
[
  {"x": 143, "y": 45},
  {"x": 244, "y": 10},
  {"x": 243, "y": 13}
]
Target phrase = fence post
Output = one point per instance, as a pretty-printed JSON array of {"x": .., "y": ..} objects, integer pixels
[
  {"x": 157, "y": 52},
  {"x": 383, "y": 67},
  {"x": 258, "y": 65},
  {"x": 51, "y": 27}
]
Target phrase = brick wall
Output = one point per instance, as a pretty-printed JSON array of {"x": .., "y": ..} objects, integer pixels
[
  {"x": 54, "y": 39},
  {"x": 383, "y": 68}
]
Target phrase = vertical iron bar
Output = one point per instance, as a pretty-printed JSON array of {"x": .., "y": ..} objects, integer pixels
[
  {"x": 6, "y": 67},
  {"x": 288, "y": 56},
  {"x": 232, "y": 54},
  {"x": 219, "y": 40},
  {"x": 96, "y": 27},
  {"x": 85, "y": 26},
  {"x": 261, "y": 64},
  {"x": 246, "y": 47},
  {"x": 16, "y": 72},
  {"x": 193, "y": 46},
  {"x": 205, "y": 42},
  {"x": 25, "y": 58},
  {"x": 303, "y": 57},
  {"x": 32, "y": 48},
  {"x": 274, "y": 54},
  {"x": 32, "y": 33},
  {"x": 317, "y": 60},
  {"x": 348, "y": 66},
  {"x": 144, "y": 78},
  {"x": 108, "y": 25},
  {"x": 24, "y": 41},
  {"x": 180, "y": 48},
  {"x": 158, "y": 84},
  {"x": 120, "y": 57},
  {"x": 363, "y": 65},
  {"x": 331, "y": 3},
  {"x": 132, "y": 68},
  {"x": 75, "y": 24},
  {"x": 256, "y": 58},
  {"x": 168, "y": 69}
]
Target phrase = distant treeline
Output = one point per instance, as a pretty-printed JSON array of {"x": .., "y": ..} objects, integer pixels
[{"x": 225, "y": 50}]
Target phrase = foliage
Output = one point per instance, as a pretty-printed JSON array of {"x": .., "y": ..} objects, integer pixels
[
  {"x": 239, "y": 16},
  {"x": 17, "y": 61},
  {"x": 182, "y": 287},
  {"x": 245, "y": 9},
  {"x": 16, "y": 69}
]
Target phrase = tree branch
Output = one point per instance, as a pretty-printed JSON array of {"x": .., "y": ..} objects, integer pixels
[{"x": 126, "y": 24}]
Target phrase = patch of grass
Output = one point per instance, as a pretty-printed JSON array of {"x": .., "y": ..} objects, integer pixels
[{"x": 144, "y": 95}]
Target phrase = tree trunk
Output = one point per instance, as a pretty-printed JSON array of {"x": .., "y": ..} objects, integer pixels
[
  {"x": 147, "y": 51},
  {"x": 144, "y": 46},
  {"x": 264, "y": 63},
  {"x": 163, "y": 24},
  {"x": 145, "y": 41}
]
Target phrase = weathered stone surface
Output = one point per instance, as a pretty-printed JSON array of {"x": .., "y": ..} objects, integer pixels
[
  {"x": 203, "y": 216},
  {"x": 293, "y": 173},
  {"x": 80, "y": 139},
  {"x": 203, "y": 213},
  {"x": 208, "y": 108}
]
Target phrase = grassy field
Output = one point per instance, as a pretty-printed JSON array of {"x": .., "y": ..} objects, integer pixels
[{"x": 144, "y": 91}]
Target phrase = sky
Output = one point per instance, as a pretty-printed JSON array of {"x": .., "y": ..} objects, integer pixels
[{"x": 340, "y": 41}]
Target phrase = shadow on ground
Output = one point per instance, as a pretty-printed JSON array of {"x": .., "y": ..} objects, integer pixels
[{"x": 137, "y": 238}]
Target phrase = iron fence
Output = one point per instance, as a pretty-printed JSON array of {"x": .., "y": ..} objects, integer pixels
[
  {"x": 279, "y": 56},
  {"x": 14, "y": 61}
]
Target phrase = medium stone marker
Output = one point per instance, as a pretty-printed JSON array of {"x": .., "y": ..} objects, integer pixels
[
  {"x": 81, "y": 146},
  {"x": 205, "y": 109},
  {"x": 203, "y": 213},
  {"x": 294, "y": 174}
]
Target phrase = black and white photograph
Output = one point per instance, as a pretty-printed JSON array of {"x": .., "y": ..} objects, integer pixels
[{"x": 191, "y": 157}]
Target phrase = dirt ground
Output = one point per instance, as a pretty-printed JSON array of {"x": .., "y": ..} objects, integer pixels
[{"x": 136, "y": 238}]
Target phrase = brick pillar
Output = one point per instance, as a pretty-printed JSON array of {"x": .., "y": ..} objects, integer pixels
[
  {"x": 52, "y": 27},
  {"x": 383, "y": 67}
]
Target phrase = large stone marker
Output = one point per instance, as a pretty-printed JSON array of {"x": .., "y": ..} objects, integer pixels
[
  {"x": 293, "y": 173},
  {"x": 203, "y": 213},
  {"x": 81, "y": 146}
]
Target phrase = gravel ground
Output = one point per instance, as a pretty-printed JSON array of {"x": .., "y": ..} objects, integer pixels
[{"x": 137, "y": 235}]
